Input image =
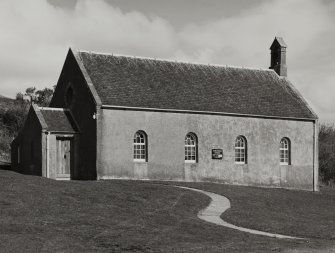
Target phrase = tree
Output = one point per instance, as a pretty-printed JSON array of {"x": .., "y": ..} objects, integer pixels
[
  {"x": 19, "y": 96},
  {"x": 13, "y": 119},
  {"x": 31, "y": 93},
  {"x": 327, "y": 153},
  {"x": 40, "y": 97},
  {"x": 43, "y": 97}
]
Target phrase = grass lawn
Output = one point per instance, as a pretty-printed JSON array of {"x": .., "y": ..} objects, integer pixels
[
  {"x": 291, "y": 212},
  {"x": 42, "y": 215}
]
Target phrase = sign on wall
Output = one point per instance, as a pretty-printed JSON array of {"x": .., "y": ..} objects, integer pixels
[{"x": 217, "y": 153}]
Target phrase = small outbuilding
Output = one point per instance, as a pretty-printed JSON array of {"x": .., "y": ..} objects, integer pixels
[{"x": 44, "y": 146}]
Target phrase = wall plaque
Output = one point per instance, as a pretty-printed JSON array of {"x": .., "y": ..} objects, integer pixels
[{"x": 217, "y": 153}]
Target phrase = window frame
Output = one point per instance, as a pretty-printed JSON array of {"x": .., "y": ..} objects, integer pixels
[
  {"x": 140, "y": 146},
  {"x": 283, "y": 149},
  {"x": 191, "y": 148},
  {"x": 240, "y": 148}
]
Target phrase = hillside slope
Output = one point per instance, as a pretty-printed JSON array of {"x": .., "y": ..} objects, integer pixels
[
  {"x": 7, "y": 103},
  {"x": 12, "y": 116}
]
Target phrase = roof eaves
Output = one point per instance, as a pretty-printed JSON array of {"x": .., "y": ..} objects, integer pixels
[
  {"x": 205, "y": 112},
  {"x": 89, "y": 82}
]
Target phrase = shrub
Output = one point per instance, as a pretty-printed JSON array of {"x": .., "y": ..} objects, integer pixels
[
  {"x": 6, "y": 140},
  {"x": 327, "y": 153},
  {"x": 11, "y": 121}
]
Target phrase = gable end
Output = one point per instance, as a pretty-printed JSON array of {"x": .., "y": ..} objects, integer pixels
[{"x": 87, "y": 78}]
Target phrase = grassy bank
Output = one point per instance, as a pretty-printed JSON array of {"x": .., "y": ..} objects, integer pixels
[{"x": 41, "y": 215}]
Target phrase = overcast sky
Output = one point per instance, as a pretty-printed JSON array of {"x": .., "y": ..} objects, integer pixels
[{"x": 35, "y": 36}]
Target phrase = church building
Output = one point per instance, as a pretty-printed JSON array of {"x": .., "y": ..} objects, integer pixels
[{"x": 121, "y": 117}]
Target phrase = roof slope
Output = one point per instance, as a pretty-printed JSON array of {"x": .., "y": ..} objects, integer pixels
[
  {"x": 149, "y": 83},
  {"x": 58, "y": 120},
  {"x": 278, "y": 41}
]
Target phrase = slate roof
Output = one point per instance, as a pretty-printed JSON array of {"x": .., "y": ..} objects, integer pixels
[
  {"x": 161, "y": 84},
  {"x": 58, "y": 120}
]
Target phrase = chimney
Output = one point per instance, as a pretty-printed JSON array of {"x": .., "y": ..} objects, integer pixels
[{"x": 278, "y": 56}]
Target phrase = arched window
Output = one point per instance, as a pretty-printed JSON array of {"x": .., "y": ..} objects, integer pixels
[
  {"x": 240, "y": 150},
  {"x": 285, "y": 152},
  {"x": 140, "y": 147},
  {"x": 69, "y": 97},
  {"x": 191, "y": 149}
]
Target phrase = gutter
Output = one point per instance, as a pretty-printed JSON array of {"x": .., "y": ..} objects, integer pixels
[
  {"x": 64, "y": 132},
  {"x": 316, "y": 156},
  {"x": 47, "y": 154},
  {"x": 116, "y": 107}
]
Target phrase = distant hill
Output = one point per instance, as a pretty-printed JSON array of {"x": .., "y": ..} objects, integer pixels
[{"x": 5, "y": 98}]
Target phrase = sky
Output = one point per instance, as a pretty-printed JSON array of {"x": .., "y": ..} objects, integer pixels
[{"x": 36, "y": 35}]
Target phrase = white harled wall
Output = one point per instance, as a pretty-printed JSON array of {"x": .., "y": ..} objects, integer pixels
[{"x": 166, "y": 132}]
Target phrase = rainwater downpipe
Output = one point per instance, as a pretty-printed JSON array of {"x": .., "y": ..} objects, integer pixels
[
  {"x": 316, "y": 157},
  {"x": 47, "y": 154}
]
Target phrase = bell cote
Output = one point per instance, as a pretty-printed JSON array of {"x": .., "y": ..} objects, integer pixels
[{"x": 278, "y": 56}]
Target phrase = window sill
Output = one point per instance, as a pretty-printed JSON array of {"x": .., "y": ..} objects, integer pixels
[
  {"x": 190, "y": 161},
  {"x": 140, "y": 161},
  {"x": 284, "y": 164},
  {"x": 240, "y": 163}
]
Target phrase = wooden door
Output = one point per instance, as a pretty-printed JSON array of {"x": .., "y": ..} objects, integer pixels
[{"x": 63, "y": 157}]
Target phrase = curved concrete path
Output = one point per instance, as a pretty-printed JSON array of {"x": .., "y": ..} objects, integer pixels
[{"x": 220, "y": 204}]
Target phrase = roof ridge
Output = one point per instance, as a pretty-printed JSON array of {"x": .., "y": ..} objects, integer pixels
[
  {"x": 174, "y": 61},
  {"x": 53, "y": 109}
]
